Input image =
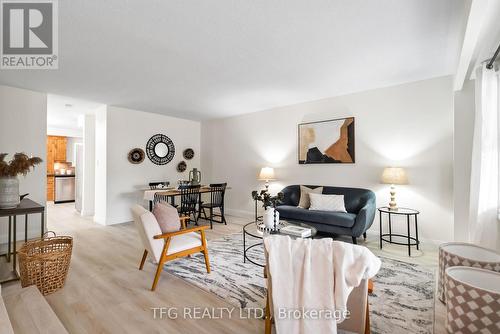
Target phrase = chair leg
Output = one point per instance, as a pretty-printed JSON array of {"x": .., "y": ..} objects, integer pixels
[
  {"x": 205, "y": 251},
  {"x": 144, "y": 256},
  {"x": 204, "y": 214},
  {"x": 157, "y": 276},
  {"x": 195, "y": 217},
  {"x": 354, "y": 241},
  {"x": 267, "y": 319},
  {"x": 364, "y": 235},
  {"x": 367, "y": 320},
  {"x": 223, "y": 215},
  {"x": 160, "y": 264},
  {"x": 211, "y": 218}
]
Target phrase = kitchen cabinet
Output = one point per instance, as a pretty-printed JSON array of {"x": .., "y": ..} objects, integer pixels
[
  {"x": 56, "y": 152},
  {"x": 56, "y": 148},
  {"x": 50, "y": 188}
]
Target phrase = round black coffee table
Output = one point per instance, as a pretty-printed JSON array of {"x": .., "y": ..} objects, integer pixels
[{"x": 251, "y": 230}]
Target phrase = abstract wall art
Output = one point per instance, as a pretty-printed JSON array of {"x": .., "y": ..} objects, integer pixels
[{"x": 325, "y": 142}]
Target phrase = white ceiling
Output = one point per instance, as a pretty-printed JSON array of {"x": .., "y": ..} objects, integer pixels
[
  {"x": 66, "y": 113},
  {"x": 203, "y": 59}
]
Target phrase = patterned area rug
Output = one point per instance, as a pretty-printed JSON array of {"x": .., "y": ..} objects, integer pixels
[{"x": 403, "y": 300}]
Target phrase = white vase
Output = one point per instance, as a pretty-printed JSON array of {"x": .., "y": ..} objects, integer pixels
[
  {"x": 9, "y": 192},
  {"x": 269, "y": 218}
]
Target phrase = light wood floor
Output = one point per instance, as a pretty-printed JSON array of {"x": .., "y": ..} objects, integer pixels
[{"x": 106, "y": 293}]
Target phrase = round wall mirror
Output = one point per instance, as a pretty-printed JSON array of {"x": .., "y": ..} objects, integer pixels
[{"x": 160, "y": 149}]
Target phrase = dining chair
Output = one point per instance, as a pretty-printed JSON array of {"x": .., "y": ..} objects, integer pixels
[
  {"x": 154, "y": 185},
  {"x": 165, "y": 247},
  {"x": 217, "y": 192},
  {"x": 190, "y": 199}
]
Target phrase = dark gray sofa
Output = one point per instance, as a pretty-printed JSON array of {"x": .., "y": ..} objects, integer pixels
[{"x": 359, "y": 203}]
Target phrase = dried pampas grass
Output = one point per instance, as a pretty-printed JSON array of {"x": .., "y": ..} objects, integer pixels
[{"x": 21, "y": 164}]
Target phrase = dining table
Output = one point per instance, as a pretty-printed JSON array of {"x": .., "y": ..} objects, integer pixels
[{"x": 171, "y": 193}]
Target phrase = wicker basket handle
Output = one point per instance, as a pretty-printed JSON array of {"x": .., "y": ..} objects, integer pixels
[{"x": 46, "y": 234}]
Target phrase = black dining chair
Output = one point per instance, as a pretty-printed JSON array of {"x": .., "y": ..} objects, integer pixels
[
  {"x": 190, "y": 199},
  {"x": 154, "y": 185},
  {"x": 217, "y": 192},
  {"x": 159, "y": 199}
]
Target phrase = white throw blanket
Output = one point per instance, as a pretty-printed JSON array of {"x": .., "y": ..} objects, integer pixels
[{"x": 312, "y": 279}]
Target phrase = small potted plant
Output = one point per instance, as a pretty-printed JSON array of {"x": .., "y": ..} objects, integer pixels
[
  {"x": 21, "y": 164},
  {"x": 271, "y": 216}
]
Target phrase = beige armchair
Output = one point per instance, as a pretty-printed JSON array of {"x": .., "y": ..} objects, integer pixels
[
  {"x": 357, "y": 304},
  {"x": 165, "y": 247}
]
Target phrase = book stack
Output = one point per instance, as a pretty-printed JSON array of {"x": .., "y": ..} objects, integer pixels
[{"x": 296, "y": 231}]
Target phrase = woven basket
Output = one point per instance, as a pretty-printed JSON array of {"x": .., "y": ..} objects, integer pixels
[{"x": 45, "y": 262}]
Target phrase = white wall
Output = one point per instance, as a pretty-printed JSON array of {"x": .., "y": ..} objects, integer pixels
[
  {"x": 127, "y": 129},
  {"x": 409, "y": 125},
  {"x": 464, "y": 131},
  {"x": 100, "y": 165},
  {"x": 23, "y": 128},
  {"x": 70, "y": 148},
  {"x": 89, "y": 162},
  {"x": 64, "y": 132}
]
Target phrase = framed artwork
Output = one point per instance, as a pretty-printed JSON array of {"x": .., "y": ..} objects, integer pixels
[{"x": 327, "y": 142}]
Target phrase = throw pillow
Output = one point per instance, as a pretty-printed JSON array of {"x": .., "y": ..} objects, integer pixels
[
  {"x": 167, "y": 217},
  {"x": 304, "y": 201},
  {"x": 327, "y": 202}
]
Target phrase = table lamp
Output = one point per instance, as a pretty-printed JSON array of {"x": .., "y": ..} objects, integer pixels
[
  {"x": 393, "y": 176},
  {"x": 266, "y": 174}
]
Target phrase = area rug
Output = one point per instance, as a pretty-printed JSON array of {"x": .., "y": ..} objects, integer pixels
[{"x": 403, "y": 300}]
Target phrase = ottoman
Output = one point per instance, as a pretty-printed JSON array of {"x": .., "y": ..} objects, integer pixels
[
  {"x": 453, "y": 254},
  {"x": 472, "y": 300}
]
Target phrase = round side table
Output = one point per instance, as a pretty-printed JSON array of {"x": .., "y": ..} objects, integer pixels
[
  {"x": 472, "y": 300},
  {"x": 453, "y": 254},
  {"x": 411, "y": 241}
]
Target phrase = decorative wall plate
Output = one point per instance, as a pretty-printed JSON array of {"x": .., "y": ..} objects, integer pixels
[
  {"x": 181, "y": 166},
  {"x": 136, "y": 155},
  {"x": 160, "y": 149},
  {"x": 188, "y": 153}
]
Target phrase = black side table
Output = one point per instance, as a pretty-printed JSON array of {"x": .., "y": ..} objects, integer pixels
[
  {"x": 25, "y": 208},
  {"x": 403, "y": 212}
]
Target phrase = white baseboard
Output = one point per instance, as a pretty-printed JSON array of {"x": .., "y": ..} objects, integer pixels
[{"x": 85, "y": 213}]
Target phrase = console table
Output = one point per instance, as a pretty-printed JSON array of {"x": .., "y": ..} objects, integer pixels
[
  {"x": 411, "y": 241},
  {"x": 26, "y": 208}
]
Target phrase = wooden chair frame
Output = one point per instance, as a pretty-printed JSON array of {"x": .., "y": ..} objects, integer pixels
[
  {"x": 269, "y": 320},
  {"x": 168, "y": 237}
]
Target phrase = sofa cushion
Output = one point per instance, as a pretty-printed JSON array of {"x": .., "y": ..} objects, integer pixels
[
  {"x": 320, "y": 217},
  {"x": 305, "y": 201},
  {"x": 321, "y": 202}
]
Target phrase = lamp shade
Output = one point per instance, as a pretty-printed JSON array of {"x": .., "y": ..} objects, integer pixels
[
  {"x": 266, "y": 173},
  {"x": 394, "y": 175}
]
